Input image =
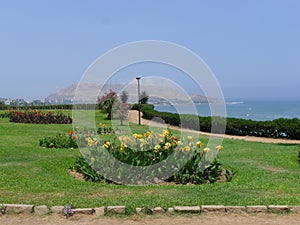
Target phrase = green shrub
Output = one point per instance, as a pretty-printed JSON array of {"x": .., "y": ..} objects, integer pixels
[{"x": 59, "y": 141}]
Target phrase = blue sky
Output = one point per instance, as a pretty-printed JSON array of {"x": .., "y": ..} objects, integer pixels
[{"x": 252, "y": 47}]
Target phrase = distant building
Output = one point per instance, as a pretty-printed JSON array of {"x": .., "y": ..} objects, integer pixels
[{"x": 7, "y": 102}]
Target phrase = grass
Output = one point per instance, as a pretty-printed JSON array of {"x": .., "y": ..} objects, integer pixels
[{"x": 29, "y": 174}]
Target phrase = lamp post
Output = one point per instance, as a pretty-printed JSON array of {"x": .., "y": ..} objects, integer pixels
[{"x": 139, "y": 98}]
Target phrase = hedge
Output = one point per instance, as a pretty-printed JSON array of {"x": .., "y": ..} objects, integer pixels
[{"x": 278, "y": 128}]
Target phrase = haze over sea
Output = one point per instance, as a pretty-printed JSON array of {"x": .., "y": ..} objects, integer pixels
[{"x": 254, "y": 110}]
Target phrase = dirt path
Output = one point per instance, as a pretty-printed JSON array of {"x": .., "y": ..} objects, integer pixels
[
  {"x": 215, "y": 219},
  {"x": 133, "y": 117}
]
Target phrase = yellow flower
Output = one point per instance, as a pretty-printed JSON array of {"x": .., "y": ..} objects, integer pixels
[
  {"x": 91, "y": 143},
  {"x": 148, "y": 134},
  {"x": 167, "y": 146},
  {"x": 137, "y": 136},
  {"x": 199, "y": 144},
  {"x": 186, "y": 148},
  {"x": 92, "y": 159},
  {"x": 122, "y": 147},
  {"x": 125, "y": 139},
  {"x": 106, "y": 145},
  {"x": 190, "y": 138},
  {"x": 160, "y": 139},
  {"x": 179, "y": 143},
  {"x": 166, "y": 133},
  {"x": 157, "y": 148},
  {"x": 206, "y": 150},
  {"x": 220, "y": 147}
]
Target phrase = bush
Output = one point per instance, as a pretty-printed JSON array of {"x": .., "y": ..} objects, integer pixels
[
  {"x": 104, "y": 129},
  {"x": 59, "y": 141}
]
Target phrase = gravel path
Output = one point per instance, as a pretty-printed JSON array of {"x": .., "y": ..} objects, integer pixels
[{"x": 214, "y": 219}]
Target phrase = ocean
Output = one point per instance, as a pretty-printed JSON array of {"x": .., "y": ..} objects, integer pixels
[{"x": 254, "y": 110}]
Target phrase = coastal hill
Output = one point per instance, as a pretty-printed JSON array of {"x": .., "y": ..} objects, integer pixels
[{"x": 158, "y": 94}]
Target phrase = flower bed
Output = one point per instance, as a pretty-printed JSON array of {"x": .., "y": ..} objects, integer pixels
[
  {"x": 143, "y": 150},
  {"x": 38, "y": 117}
]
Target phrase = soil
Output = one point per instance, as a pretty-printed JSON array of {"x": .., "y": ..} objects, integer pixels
[
  {"x": 209, "y": 219},
  {"x": 133, "y": 117}
]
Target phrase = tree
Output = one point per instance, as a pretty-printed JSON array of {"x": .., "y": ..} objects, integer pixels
[
  {"x": 2, "y": 105},
  {"x": 120, "y": 110},
  {"x": 124, "y": 96},
  {"x": 144, "y": 97},
  {"x": 106, "y": 103}
]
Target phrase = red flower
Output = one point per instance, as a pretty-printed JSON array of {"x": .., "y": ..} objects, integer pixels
[{"x": 70, "y": 132}]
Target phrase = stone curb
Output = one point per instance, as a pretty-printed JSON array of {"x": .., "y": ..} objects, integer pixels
[
  {"x": 256, "y": 208},
  {"x": 116, "y": 209},
  {"x": 213, "y": 208},
  {"x": 187, "y": 209},
  {"x": 100, "y": 211},
  {"x": 18, "y": 209}
]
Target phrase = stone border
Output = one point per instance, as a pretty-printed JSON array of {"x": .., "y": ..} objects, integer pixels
[{"x": 100, "y": 211}]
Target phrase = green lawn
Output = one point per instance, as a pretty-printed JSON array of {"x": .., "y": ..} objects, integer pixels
[{"x": 29, "y": 174}]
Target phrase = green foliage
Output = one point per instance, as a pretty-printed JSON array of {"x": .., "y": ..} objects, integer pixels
[
  {"x": 144, "y": 97},
  {"x": 2, "y": 209},
  {"x": 120, "y": 111},
  {"x": 124, "y": 97},
  {"x": 104, "y": 129},
  {"x": 7, "y": 114},
  {"x": 106, "y": 103},
  {"x": 149, "y": 149},
  {"x": 83, "y": 167},
  {"x": 59, "y": 141},
  {"x": 143, "y": 107},
  {"x": 71, "y": 139}
]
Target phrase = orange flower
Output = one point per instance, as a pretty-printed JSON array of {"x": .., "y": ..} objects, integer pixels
[
  {"x": 175, "y": 138},
  {"x": 70, "y": 132}
]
